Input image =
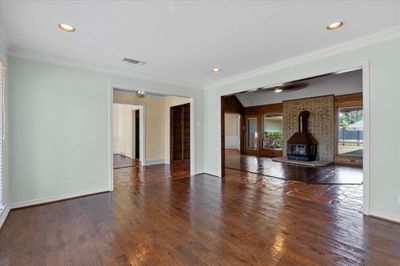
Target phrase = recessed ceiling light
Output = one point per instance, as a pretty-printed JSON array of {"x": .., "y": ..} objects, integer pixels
[
  {"x": 335, "y": 25},
  {"x": 66, "y": 27},
  {"x": 216, "y": 69},
  {"x": 278, "y": 90}
]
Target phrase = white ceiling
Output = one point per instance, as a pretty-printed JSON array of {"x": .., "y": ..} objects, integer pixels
[{"x": 182, "y": 40}]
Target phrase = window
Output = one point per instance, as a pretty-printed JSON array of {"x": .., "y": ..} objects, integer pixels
[
  {"x": 351, "y": 131},
  {"x": 2, "y": 85},
  {"x": 273, "y": 132}
]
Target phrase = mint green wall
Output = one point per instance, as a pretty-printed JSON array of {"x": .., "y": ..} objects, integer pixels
[
  {"x": 59, "y": 132},
  {"x": 3, "y": 58},
  {"x": 384, "y": 61}
]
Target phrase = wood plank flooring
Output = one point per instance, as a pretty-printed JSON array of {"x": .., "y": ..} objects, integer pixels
[
  {"x": 332, "y": 174},
  {"x": 155, "y": 217}
]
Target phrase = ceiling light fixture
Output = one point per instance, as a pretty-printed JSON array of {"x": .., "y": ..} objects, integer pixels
[
  {"x": 335, "y": 25},
  {"x": 278, "y": 90},
  {"x": 66, "y": 27},
  {"x": 216, "y": 69},
  {"x": 140, "y": 94}
]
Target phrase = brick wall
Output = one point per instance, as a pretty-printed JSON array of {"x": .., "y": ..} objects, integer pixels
[{"x": 321, "y": 123}]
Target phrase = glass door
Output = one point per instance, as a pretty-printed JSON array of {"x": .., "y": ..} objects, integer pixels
[
  {"x": 252, "y": 137},
  {"x": 272, "y": 141}
]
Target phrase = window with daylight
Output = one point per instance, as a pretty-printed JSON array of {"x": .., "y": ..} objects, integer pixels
[
  {"x": 351, "y": 132},
  {"x": 2, "y": 85}
]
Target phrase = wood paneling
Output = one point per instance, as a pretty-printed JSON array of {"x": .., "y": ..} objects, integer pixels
[
  {"x": 349, "y": 100},
  {"x": 258, "y": 112},
  {"x": 231, "y": 104},
  {"x": 180, "y": 132}
]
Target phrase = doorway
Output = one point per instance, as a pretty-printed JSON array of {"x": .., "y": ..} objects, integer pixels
[
  {"x": 339, "y": 122},
  {"x": 126, "y": 152},
  {"x": 180, "y": 137}
]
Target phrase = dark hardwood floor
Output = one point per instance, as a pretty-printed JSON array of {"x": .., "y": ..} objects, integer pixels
[
  {"x": 332, "y": 174},
  {"x": 155, "y": 217},
  {"x": 121, "y": 161}
]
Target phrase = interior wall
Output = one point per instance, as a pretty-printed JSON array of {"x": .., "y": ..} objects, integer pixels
[
  {"x": 124, "y": 129},
  {"x": 60, "y": 122},
  {"x": 383, "y": 58},
  {"x": 232, "y": 131},
  {"x": 5, "y": 157},
  {"x": 171, "y": 101}
]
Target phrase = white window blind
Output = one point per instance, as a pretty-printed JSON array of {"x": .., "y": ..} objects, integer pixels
[{"x": 2, "y": 85}]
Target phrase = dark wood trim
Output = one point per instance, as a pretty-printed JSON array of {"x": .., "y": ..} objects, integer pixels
[
  {"x": 349, "y": 100},
  {"x": 260, "y": 111},
  {"x": 223, "y": 100},
  {"x": 180, "y": 151}
]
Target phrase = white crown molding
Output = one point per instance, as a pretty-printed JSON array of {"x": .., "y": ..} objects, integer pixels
[
  {"x": 65, "y": 61},
  {"x": 354, "y": 44}
]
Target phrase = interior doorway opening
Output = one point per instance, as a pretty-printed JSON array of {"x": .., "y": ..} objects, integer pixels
[
  {"x": 127, "y": 128},
  {"x": 150, "y": 129},
  {"x": 338, "y": 119}
]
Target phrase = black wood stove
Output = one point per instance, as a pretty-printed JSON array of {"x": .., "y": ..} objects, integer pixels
[{"x": 302, "y": 146}]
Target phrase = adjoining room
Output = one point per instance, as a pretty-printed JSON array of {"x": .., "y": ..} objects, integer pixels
[
  {"x": 309, "y": 131},
  {"x": 150, "y": 129}
]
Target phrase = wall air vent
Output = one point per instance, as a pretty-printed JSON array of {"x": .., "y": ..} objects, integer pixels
[{"x": 133, "y": 61}]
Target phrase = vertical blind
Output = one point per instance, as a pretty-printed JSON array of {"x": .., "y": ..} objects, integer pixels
[{"x": 2, "y": 85}]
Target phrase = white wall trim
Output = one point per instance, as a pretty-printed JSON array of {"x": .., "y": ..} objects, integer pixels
[
  {"x": 367, "y": 136},
  {"x": 385, "y": 216},
  {"x": 4, "y": 215},
  {"x": 76, "y": 63},
  {"x": 142, "y": 155},
  {"x": 364, "y": 65},
  {"x": 59, "y": 197},
  {"x": 363, "y": 41}
]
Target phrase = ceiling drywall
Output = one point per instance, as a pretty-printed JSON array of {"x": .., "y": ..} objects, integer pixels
[
  {"x": 339, "y": 84},
  {"x": 182, "y": 41}
]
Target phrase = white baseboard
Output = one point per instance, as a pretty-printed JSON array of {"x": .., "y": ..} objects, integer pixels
[
  {"x": 4, "y": 215},
  {"x": 57, "y": 198},
  {"x": 154, "y": 161},
  {"x": 384, "y": 215},
  {"x": 212, "y": 173}
]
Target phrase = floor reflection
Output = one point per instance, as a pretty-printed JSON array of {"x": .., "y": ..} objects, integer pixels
[{"x": 332, "y": 174}]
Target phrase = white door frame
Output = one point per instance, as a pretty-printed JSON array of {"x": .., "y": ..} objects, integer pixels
[
  {"x": 142, "y": 152},
  {"x": 365, "y": 67}
]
